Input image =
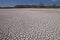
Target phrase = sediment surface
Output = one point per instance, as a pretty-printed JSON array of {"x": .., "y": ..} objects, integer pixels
[{"x": 29, "y": 24}]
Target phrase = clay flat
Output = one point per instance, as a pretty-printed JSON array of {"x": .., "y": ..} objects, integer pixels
[{"x": 29, "y": 24}]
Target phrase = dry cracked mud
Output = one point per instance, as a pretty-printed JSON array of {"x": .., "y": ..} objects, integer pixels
[{"x": 29, "y": 24}]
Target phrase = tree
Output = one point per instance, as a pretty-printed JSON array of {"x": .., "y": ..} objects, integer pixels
[{"x": 54, "y": 5}]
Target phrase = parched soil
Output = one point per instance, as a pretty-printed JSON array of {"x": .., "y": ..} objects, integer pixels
[{"x": 29, "y": 24}]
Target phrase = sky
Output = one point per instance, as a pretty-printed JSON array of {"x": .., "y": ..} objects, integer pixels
[{"x": 7, "y": 3}]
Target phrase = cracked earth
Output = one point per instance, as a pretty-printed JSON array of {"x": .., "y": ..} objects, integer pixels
[{"x": 29, "y": 24}]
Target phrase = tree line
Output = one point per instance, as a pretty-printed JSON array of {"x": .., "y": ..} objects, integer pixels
[{"x": 33, "y": 6}]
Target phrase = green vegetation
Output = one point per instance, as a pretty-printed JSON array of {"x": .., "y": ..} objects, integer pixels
[{"x": 33, "y": 6}]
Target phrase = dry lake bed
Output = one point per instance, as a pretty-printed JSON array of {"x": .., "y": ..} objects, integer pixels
[{"x": 29, "y": 24}]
